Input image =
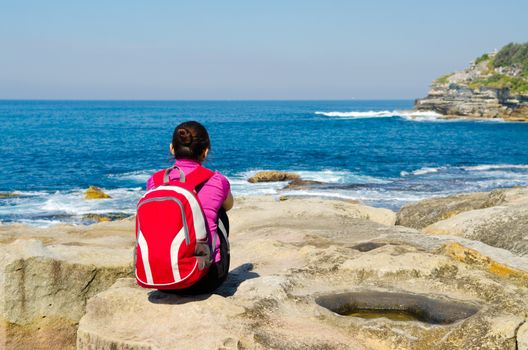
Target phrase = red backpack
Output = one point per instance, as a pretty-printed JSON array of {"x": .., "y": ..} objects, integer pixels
[{"x": 172, "y": 248}]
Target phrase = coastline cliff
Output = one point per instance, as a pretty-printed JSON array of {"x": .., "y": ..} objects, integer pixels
[{"x": 495, "y": 85}]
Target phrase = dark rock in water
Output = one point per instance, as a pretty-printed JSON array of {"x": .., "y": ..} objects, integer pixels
[
  {"x": 300, "y": 184},
  {"x": 105, "y": 217},
  {"x": 429, "y": 211},
  {"x": 273, "y": 176},
  {"x": 94, "y": 192},
  {"x": 8, "y": 195}
]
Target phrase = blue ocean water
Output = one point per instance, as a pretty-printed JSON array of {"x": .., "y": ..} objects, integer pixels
[{"x": 369, "y": 150}]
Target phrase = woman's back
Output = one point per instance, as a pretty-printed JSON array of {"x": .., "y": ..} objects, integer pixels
[{"x": 212, "y": 194}]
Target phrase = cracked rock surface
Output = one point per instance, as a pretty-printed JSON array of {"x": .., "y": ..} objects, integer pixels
[
  {"x": 47, "y": 275},
  {"x": 287, "y": 254}
]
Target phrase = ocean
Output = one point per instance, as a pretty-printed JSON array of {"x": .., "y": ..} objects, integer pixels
[{"x": 371, "y": 150}]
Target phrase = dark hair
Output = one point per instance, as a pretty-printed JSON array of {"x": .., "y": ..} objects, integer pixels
[{"x": 189, "y": 140}]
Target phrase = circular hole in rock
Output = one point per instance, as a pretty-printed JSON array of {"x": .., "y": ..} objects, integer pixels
[
  {"x": 397, "y": 306},
  {"x": 367, "y": 246}
]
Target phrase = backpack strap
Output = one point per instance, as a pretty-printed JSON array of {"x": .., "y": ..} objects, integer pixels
[
  {"x": 198, "y": 176},
  {"x": 157, "y": 178},
  {"x": 162, "y": 177}
]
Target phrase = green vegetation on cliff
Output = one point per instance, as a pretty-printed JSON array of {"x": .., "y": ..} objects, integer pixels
[
  {"x": 508, "y": 68},
  {"x": 513, "y": 55},
  {"x": 444, "y": 79},
  {"x": 482, "y": 58},
  {"x": 517, "y": 85}
]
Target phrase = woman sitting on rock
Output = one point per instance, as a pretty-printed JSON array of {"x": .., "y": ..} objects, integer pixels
[{"x": 190, "y": 146}]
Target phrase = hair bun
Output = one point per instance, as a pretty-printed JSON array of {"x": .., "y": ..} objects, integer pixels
[{"x": 185, "y": 137}]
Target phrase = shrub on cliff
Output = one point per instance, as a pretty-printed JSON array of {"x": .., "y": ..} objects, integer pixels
[{"x": 513, "y": 54}]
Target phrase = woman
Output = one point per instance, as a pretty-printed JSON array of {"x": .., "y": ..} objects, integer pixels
[{"x": 190, "y": 147}]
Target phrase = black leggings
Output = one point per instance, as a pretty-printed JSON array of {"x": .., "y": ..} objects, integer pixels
[{"x": 217, "y": 271}]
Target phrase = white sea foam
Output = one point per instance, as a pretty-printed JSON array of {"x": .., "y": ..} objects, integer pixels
[
  {"x": 140, "y": 176},
  {"x": 422, "y": 171},
  {"x": 486, "y": 167},
  {"x": 44, "y": 208},
  {"x": 358, "y": 114},
  {"x": 241, "y": 187},
  {"x": 67, "y": 206},
  {"x": 410, "y": 115}
]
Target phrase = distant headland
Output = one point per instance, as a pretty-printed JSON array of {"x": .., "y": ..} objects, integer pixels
[{"x": 495, "y": 85}]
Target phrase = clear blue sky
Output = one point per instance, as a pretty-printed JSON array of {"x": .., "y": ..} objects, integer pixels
[{"x": 244, "y": 49}]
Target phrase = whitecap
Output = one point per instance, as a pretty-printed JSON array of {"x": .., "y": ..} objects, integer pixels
[
  {"x": 486, "y": 167},
  {"x": 406, "y": 114},
  {"x": 140, "y": 176},
  {"x": 358, "y": 114},
  {"x": 422, "y": 171}
]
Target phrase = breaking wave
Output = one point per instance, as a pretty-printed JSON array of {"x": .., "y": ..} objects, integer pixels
[{"x": 410, "y": 115}]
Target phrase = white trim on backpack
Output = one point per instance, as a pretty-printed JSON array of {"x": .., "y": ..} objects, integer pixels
[
  {"x": 144, "y": 256},
  {"x": 174, "y": 249}
]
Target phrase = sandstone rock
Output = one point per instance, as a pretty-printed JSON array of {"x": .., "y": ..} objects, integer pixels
[
  {"x": 273, "y": 176},
  {"x": 95, "y": 193},
  {"x": 522, "y": 336},
  {"x": 8, "y": 195},
  {"x": 46, "y": 277},
  {"x": 459, "y": 100},
  {"x": 429, "y": 211},
  {"x": 502, "y": 226},
  {"x": 105, "y": 217},
  {"x": 285, "y": 257},
  {"x": 497, "y": 218},
  {"x": 300, "y": 184}
]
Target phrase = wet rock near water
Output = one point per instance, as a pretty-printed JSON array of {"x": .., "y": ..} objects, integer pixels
[
  {"x": 273, "y": 176},
  {"x": 8, "y": 195},
  {"x": 104, "y": 217},
  {"x": 94, "y": 192},
  {"x": 298, "y": 184}
]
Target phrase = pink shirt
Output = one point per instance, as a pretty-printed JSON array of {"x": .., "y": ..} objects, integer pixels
[{"x": 212, "y": 195}]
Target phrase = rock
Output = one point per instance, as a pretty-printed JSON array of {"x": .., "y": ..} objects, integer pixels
[
  {"x": 47, "y": 275},
  {"x": 287, "y": 255},
  {"x": 498, "y": 218},
  {"x": 502, "y": 226},
  {"x": 105, "y": 217},
  {"x": 458, "y": 100},
  {"x": 426, "y": 212},
  {"x": 301, "y": 184},
  {"x": 486, "y": 89},
  {"x": 273, "y": 176},
  {"x": 522, "y": 337},
  {"x": 95, "y": 193},
  {"x": 8, "y": 195}
]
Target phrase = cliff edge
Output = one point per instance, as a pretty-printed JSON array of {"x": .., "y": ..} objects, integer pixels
[{"x": 495, "y": 85}]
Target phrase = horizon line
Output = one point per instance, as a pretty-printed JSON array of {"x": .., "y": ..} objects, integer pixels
[{"x": 204, "y": 100}]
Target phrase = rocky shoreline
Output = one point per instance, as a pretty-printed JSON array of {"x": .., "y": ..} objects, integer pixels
[
  {"x": 306, "y": 273},
  {"x": 495, "y": 85}
]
